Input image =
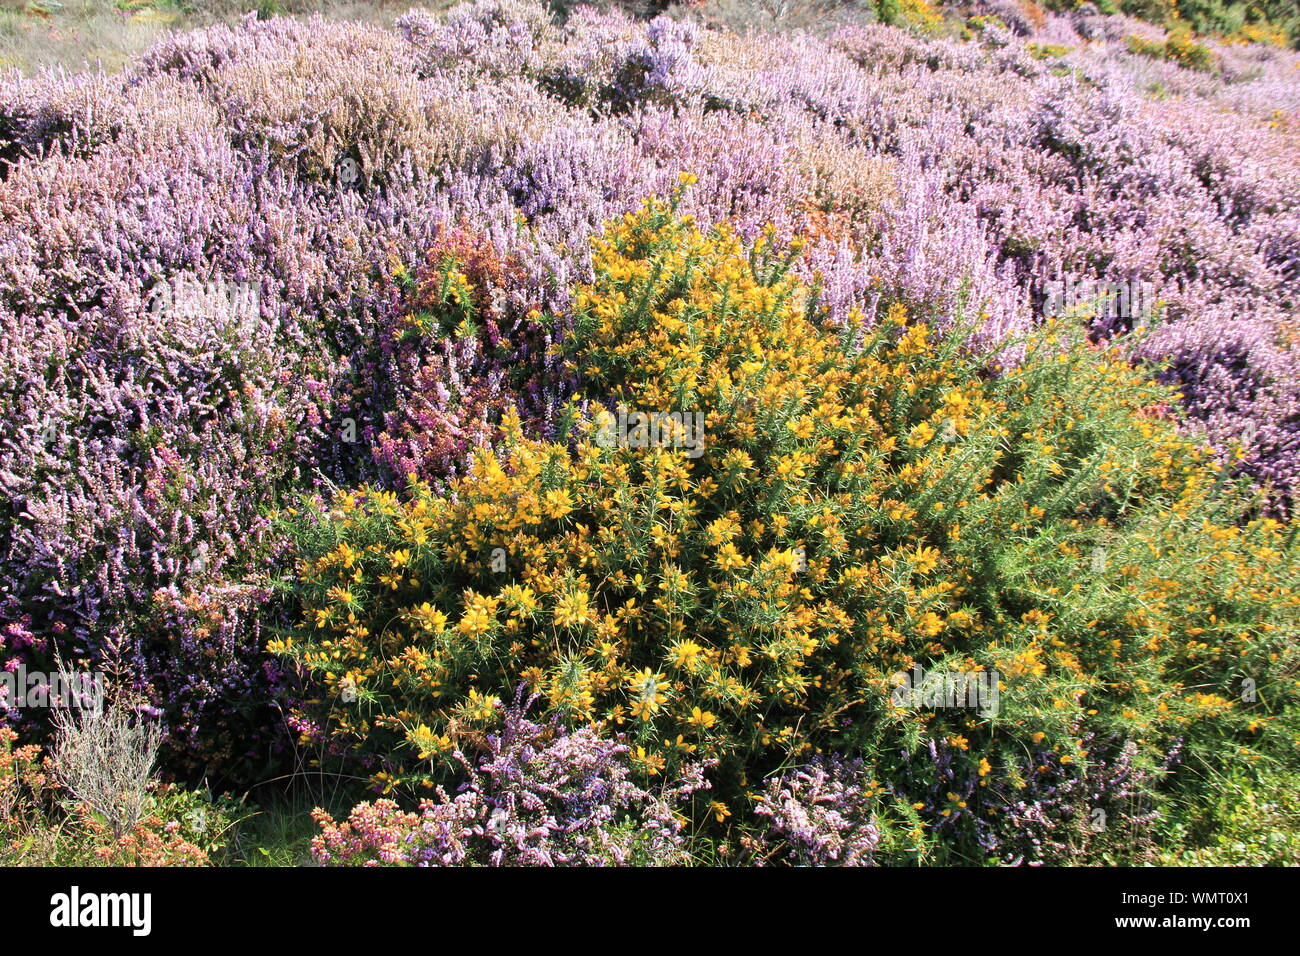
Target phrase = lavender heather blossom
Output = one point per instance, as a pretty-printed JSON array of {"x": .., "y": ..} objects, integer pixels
[
  {"x": 819, "y": 815},
  {"x": 536, "y": 795}
]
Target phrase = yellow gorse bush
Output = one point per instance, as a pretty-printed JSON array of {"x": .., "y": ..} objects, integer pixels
[{"x": 867, "y": 500}]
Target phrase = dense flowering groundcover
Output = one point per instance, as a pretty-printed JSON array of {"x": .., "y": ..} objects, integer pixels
[{"x": 318, "y": 344}]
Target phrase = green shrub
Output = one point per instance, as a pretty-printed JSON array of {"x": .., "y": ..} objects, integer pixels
[
  {"x": 917, "y": 15},
  {"x": 1245, "y": 815},
  {"x": 1178, "y": 48}
]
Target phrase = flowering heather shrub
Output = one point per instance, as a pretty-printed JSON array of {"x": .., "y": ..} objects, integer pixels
[
  {"x": 498, "y": 37},
  {"x": 619, "y": 65},
  {"x": 1091, "y": 805},
  {"x": 817, "y": 815},
  {"x": 1073, "y": 812},
  {"x": 865, "y": 500},
  {"x": 536, "y": 795},
  {"x": 81, "y": 113},
  {"x": 466, "y": 350},
  {"x": 1228, "y": 372},
  {"x": 1083, "y": 215},
  {"x": 145, "y": 439}
]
